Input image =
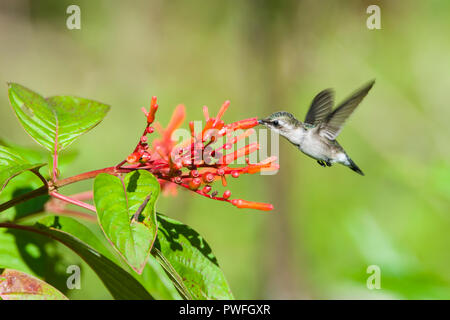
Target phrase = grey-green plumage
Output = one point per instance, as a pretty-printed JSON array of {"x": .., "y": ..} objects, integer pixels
[{"x": 316, "y": 137}]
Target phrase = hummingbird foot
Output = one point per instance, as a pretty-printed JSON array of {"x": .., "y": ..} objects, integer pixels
[
  {"x": 322, "y": 164},
  {"x": 328, "y": 164}
]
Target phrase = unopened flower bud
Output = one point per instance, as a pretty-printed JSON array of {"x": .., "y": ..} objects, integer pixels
[
  {"x": 146, "y": 157},
  {"x": 195, "y": 183},
  {"x": 177, "y": 180},
  {"x": 208, "y": 177},
  {"x": 252, "y": 205},
  {"x": 224, "y": 181},
  {"x": 133, "y": 158},
  {"x": 194, "y": 173}
]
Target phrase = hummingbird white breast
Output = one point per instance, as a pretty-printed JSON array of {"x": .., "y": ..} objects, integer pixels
[{"x": 313, "y": 146}]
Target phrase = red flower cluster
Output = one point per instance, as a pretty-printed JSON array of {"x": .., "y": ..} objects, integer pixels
[{"x": 194, "y": 163}]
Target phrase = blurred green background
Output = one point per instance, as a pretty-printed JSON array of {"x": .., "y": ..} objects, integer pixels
[{"x": 329, "y": 224}]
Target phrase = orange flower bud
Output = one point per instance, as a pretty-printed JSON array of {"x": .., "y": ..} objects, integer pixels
[
  {"x": 224, "y": 181},
  {"x": 153, "y": 101},
  {"x": 177, "y": 180},
  {"x": 195, "y": 183},
  {"x": 133, "y": 158},
  {"x": 153, "y": 109},
  {"x": 222, "y": 110},
  {"x": 251, "y": 205},
  {"x": 226, "y": 194},
  {"x": 208, "y": 177},
  {"x": 229, "y": 158},
  {"x": 243, "y": 124},
  {"x": 206, "y": 113},
  {"x": 194, "y": 173},
  {"x": 191, "y": 127}
]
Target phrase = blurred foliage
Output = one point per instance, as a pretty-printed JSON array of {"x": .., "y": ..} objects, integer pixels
[{"x": 329, "y": 224}]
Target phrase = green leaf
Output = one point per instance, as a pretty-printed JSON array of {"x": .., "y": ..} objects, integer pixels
[
  {"x": 27, "y": 181},
  {"x": 57, "y": 121},
  {"x": 35, "y": 154},
  {"x": 157, "y": 282},
  {"x": 17, "y": 285},
  {"x": 188, "y": 258},
  {"x": 119, "y": 282},
  {"x": 118, "y": 205},
  {"x": 153, "y": 277},
  {"x": 36, "y": 255},
  {"x": 12, "y": 164},
  {"x": 76, "y": 229}
]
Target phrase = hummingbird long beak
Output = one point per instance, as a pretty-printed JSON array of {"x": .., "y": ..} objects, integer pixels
[{"x": 260, "y": 121}]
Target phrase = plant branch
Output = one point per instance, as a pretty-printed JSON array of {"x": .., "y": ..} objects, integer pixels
[
  {"x": 24, "y": 197},
  {"x": 58, "y": 206},
  {"x": 39, "y": 175},
  {"x": 85, "y": 195},
  {"x": 73, "y": 201},
  {"x": 60, "y": 183},
  {"x": 90, "y": 175}
]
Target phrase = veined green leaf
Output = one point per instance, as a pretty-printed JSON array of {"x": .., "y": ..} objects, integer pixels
[
  {"x": 17, "y": 285},
  {"x": 126, "y": 213},
  {"x": 36, "y": 255},
  {"x": 57, "y": 121},
  {"x": 119, "y": 282},
  {"x": 187, "y": 257},
  {"x": 12, "y": 164},
  {"x": 35, "y": 154},
  {"x": 153, "y": 277},
  {"x": 157, "y": 282}
]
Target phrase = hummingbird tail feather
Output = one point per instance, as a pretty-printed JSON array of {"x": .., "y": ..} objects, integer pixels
[{"x": 354, "y": 167}]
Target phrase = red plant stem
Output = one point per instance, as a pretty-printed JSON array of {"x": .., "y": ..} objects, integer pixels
[
  {"x": 55, "y": 153},
  {"x": 200, "y": 192},
  {"x": 85, "y": 195},
  {"x": 121, "y": 163},
  {"x": 73, "y": 201},
  {"x": 90, "y": 175}
]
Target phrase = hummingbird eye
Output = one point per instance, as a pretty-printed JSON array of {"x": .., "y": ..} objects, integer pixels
[{"x": 276, "y": 123}]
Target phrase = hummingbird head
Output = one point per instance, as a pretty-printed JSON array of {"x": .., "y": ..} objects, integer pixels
[{"x": 281, "y": 122}]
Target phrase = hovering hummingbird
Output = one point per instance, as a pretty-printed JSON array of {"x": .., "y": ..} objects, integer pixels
[{"x": 316, "y": 137}]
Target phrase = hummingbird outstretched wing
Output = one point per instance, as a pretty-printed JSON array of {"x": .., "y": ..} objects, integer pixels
[
  {"x": 320, "y": 107},
  {"x": 332, "y": 125}
]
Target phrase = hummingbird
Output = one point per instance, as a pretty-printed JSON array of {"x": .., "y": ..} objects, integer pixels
[{"x": 316, "y": 136}]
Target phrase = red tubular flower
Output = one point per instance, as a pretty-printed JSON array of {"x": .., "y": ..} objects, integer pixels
[
  {"x": 240, "y": 153},
  {"x": 194, "y": 163},
  {"x": 251, "y": 205}
]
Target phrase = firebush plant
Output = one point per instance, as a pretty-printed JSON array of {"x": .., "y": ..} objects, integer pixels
[{"x": 146, "y": 255}]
